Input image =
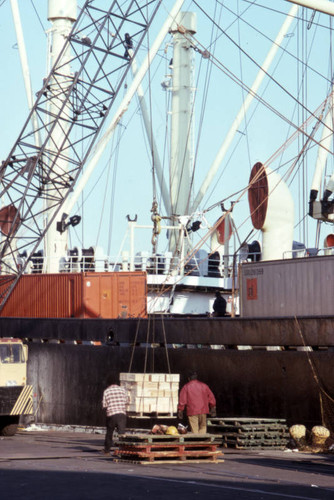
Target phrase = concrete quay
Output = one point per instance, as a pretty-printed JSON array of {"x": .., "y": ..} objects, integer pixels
[{"x": 50, "y": 464}]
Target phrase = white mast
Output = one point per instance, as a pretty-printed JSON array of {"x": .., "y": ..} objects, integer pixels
[
  {"x": 182, "y": 155},
  {"x": 62, "y": 14}
]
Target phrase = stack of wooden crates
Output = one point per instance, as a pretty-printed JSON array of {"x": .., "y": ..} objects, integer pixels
[{"x": 149, "y": 393}]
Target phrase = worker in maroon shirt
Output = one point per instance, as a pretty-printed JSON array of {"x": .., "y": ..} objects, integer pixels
[{"x": 199, "y": 400}]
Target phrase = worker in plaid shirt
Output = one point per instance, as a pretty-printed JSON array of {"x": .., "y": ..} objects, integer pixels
[{"x": 115, "y": 400}]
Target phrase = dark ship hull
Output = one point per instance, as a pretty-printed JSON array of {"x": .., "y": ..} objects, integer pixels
[{"x": 233, "y": 356}]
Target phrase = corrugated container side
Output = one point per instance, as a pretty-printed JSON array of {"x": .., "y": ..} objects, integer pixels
[
  {"x": 90, "y": 295},
  {"x": 46, "y": 296},
  {"x": 301, "y": 287},
  {"x": 115, "y": 295}
]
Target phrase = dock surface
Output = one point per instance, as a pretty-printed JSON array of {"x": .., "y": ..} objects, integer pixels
[{"x": 69, "y": 465}]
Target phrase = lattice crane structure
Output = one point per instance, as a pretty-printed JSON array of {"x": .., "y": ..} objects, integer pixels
[{"x": 71, "y": 107}]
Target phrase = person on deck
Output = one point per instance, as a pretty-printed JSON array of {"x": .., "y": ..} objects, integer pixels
[
  {"x": 114, "y": 401},
  {"x": 219, "y": 305},
  {"x": 199, "y": 400}
]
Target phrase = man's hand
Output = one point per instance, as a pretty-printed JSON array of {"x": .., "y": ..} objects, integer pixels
[
  {"x": 213, "y": 411},
  {"x": 180, "y": 414}
]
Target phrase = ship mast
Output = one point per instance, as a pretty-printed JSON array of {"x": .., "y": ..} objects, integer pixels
[
  {"x": 182, "y": 143},
  {"x": 62, "y": 14}
]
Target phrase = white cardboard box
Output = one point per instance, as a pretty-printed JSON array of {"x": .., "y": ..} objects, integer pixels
[
  {"x": 151, "y": 392},
  {"x": 134, "y": 377}
]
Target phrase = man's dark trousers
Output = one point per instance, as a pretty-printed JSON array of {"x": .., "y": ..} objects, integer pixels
[{"x": 118, "y": 420}]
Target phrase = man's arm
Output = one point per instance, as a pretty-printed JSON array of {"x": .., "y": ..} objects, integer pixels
[
  {"x": 211, "y": 397},
  {"x": 182, "y": 399},
  {"x": 126, "y": 396}
]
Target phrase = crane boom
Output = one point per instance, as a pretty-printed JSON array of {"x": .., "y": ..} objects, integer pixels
[{"x": 75, "y": 105}]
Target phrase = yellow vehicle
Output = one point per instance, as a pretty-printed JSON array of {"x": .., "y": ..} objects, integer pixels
[{"x": 15, "y": 395}]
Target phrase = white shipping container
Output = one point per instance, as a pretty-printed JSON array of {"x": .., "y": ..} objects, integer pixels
[{"x": 291, "y": 287}]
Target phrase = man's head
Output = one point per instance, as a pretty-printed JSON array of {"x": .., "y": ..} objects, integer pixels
[
  {"x": 217, "y": 294},
  {"x": 110, "y": 380},
  {"x": 192, "y": 375}
]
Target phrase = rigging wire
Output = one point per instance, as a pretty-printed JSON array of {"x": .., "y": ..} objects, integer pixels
[
  {"x": 113, "y": 191},
  {"x": 153, "y": 160},
  {"x": 38, "y": 17},
  {"x": 303, "y": 170},
  {"x": 218, "y": 28},
  {"x": 252, "y": 115},
  {"x": 242, "y": 91},
  {"x": 263, "y": 35},
  {"x": 114, "y": 151},
  {"x": 209, "y": 195},
  {"x": 255, "y": 179},
  {"x": 204, "y": 100},
  {"x": 233, "y": 77},
  {"x": 255, "y": 3},
  {"x": 149, "y": 151}
]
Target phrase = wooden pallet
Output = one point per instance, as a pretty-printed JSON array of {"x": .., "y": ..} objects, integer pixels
[
  {"x": 251, "y": 427},
  {"x": 142, "y": 448},
  {"x": 251, "y": 445},
  {"x": 166, "y": 461},
  {"x": 152, "y": 448},
  {"x": 153, "y": 414},
  {"x": 175, "y": 455},
  {"x": 257, "y": 434},
  {"x": 247, "y": 422},
  {"x": 242, "y": 433},
  {"x": 165, "y": 438}
]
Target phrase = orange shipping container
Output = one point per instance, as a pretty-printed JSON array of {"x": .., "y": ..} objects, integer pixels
[{"x": 78, "y": 295}]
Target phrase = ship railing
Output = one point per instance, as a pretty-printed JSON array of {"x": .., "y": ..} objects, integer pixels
[
  {"x": 303, "y": 252},
  {"x": 68, "y": 265},
  {"x": 200, "y": 264}
]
